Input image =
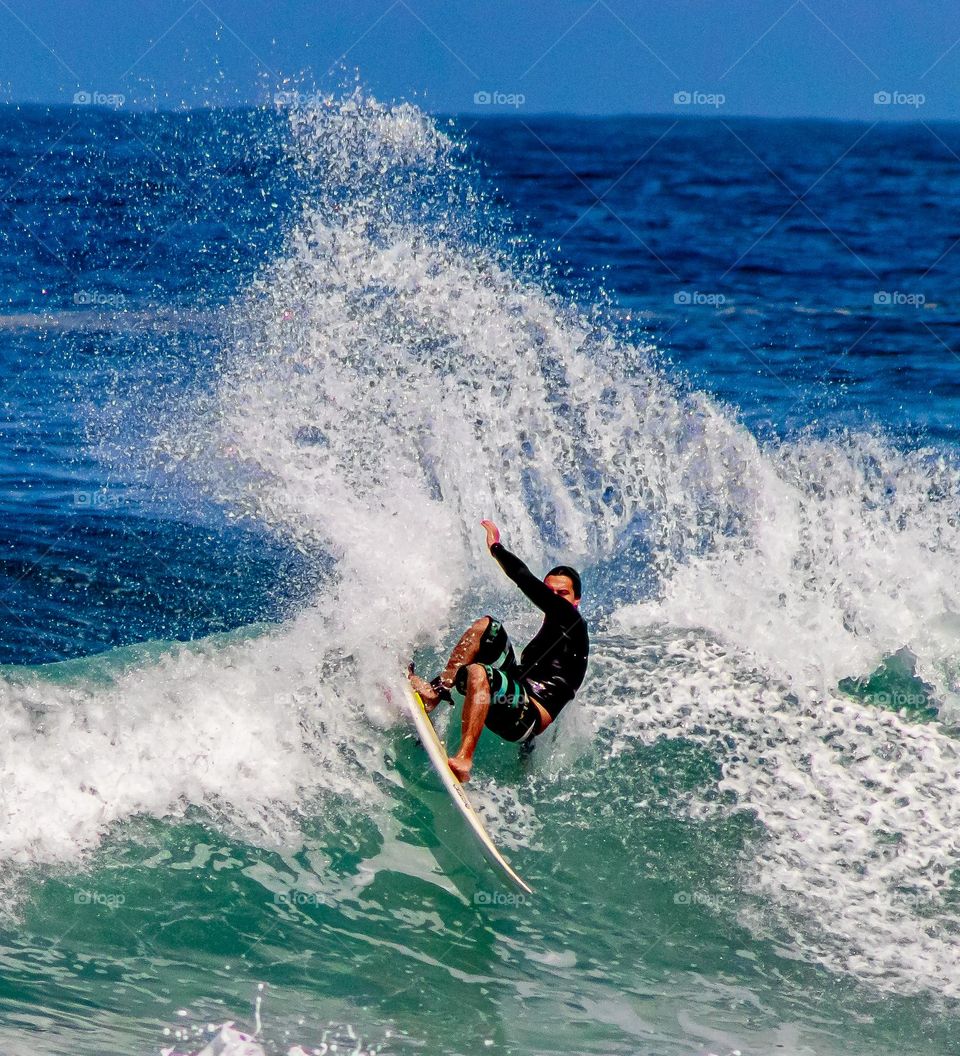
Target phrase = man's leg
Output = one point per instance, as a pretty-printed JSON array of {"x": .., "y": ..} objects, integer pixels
[
  {"x": 475, "y": 708},
  {"x": 464, "y": 652}
]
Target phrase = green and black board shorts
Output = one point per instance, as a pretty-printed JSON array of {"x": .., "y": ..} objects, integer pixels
[{"x": 512, "y": 715}]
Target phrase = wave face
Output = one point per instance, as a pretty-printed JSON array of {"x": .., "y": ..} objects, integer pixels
[{"x": 392, "y": 376}]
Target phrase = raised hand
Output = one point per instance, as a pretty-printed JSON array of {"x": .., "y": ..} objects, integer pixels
[{"x": 493, "y": 532}]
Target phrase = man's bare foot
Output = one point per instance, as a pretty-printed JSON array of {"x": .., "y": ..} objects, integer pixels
[
  {"x": 429, "y": 696},
  {"x": 461, "y": 767}
]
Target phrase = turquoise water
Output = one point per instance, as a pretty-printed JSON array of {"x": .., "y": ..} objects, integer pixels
[{"x": 239, "y": 501}]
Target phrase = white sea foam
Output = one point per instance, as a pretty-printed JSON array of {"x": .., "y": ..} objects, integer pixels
[
  {"x": 251, "y": 730},
  {"x": 860, "y": 808},
  {"x": 848, "y": 558}
]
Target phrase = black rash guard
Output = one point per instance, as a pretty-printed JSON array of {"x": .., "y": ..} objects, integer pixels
[{"x": 554, "y": 662}]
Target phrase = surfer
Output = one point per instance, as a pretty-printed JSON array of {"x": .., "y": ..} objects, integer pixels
[{"x": 515, "y": 700}]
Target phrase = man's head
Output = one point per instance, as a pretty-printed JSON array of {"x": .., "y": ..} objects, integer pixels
[{"x": 565, "y": 581}]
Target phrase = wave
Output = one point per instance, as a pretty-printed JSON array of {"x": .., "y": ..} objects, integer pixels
[{"x": 397, "y": 374}]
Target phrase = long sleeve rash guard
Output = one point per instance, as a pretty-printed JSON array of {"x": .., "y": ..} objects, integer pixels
[{"x": 554, "y": 662}]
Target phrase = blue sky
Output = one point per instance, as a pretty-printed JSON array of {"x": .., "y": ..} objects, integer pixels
[{"x": 823, "y": 58}]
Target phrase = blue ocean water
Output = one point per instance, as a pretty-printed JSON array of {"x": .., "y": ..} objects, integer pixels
[
  {"x": 802, "y": 271},
  {"x": 263, "y": 371}
]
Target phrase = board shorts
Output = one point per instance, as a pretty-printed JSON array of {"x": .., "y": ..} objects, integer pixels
[{"x": 512, "y": 715}]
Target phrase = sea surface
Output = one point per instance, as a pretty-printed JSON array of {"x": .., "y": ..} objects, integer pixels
[{"x": 264, "y": 371}]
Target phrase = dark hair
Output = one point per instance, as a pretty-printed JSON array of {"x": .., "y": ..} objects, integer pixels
[{"x": 571, "y": 573}]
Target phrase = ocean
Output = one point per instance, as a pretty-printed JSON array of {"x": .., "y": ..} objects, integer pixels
[{"x": 265, "y": 370}]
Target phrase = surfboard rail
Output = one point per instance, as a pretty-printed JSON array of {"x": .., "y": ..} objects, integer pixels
[{"x": 437, "y": 754}]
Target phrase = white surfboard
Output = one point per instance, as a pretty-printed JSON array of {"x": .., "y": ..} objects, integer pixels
[{"x": 438, "y": 759}]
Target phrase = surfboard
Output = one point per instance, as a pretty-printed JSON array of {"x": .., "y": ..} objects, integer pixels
[{"x": 437, "y": 754}]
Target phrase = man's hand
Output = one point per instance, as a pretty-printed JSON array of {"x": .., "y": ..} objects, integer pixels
[{"x": 493, "y": 533}]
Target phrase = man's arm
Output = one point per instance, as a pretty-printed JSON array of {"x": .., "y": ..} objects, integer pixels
[{"x": 535, "y": 589}]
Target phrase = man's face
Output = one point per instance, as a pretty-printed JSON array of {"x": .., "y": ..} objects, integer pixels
[{"x": 563, "y": 586}]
